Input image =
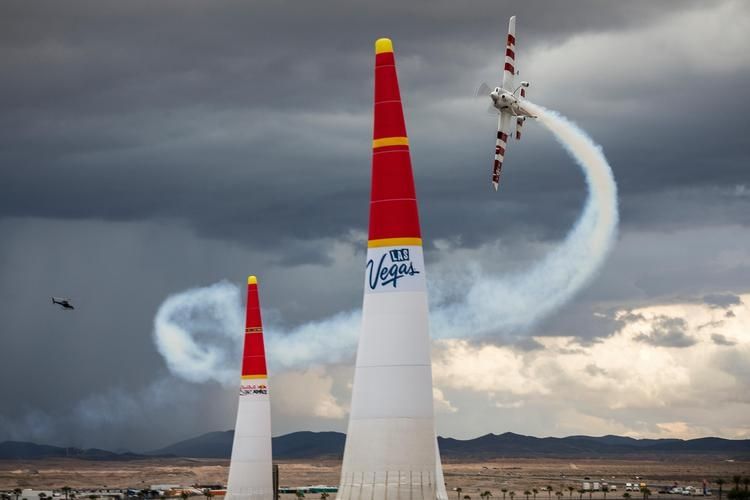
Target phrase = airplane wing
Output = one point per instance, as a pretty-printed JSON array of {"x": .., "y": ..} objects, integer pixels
[
  {"x": 503, "y": 127},
  {"x": 509, "y": 71}
]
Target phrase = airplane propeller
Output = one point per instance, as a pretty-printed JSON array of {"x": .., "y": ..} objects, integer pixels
[{"x": 483, "y": 90}]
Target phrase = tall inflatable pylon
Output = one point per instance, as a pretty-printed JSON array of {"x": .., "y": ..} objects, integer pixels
[
  {"x": 390, "y": 448},
  {"x": 251, "y": 467}
]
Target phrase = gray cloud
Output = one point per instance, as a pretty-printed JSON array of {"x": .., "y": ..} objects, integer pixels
[
  {"x": 594, "y": 370},
  {"x": 667, "y": 332},
  {"x": 720, "y": 339},
  {"x": 722, "y": 300}
]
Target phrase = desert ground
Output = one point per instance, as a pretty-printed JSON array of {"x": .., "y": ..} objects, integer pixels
[{"x": 515, "y": 475}]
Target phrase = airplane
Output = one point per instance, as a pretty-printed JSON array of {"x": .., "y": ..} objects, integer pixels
[
  {"x": 63, "y": 302},
  {"x": 506, "y": 103}
]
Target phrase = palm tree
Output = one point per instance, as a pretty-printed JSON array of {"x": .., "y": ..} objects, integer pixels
[
  {"x": 512, "y": 495},
  {"x": 207, "y": 493},
  {"x": 549, "y": 492},
  {"x": 66, "y": 490},
  {"x": 736, "y": 481},
  {"x": 458, "y": 492},
  {"x": 467, "y": 497},
  {"x": 571, "y": 489},
  {"x": 527, "y": 493},
  {"x": 746, "y": 482},
  {"x": 488, "y": 494},
  {"x": 580, "y": 494},
  {"x": 626, "y": 495},
  {"x": 719, "y": 481},
  {"x": 184, "y": 495},
  {"x": 17, "y": 492},
  {"x": 535, "y": 491},
  {"x": 504, "y": 490},
  {"x": 646, "y": 492},
  {"x": 482, "y": 495},
  {"x": 299, "y": 494},
  {"x": 324, "y": 496},
  {"x": 605, "y": 490},
  {"x": 559, "y": 495}
]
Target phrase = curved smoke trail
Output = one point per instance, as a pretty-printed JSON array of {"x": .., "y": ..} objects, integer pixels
[
  {"x": 507, "y": 304},
  {"x": 514, "y": 303},
  {"x": 196, "y": 332}
]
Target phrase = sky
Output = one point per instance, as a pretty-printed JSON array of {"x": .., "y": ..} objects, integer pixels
[{"x": 151, "y": 148}]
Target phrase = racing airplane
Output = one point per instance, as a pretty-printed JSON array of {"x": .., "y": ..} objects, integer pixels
[
  {"x": 507, "y": 101},
  {"x": 62, "y": 302}
]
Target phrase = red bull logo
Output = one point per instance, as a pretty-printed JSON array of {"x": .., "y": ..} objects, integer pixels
[{"x": 250, "y": 389}]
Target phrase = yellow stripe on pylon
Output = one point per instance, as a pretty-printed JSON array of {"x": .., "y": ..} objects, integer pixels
[
  {"x": 395, "y": 242},
  {"x": 390, "y": 141}
]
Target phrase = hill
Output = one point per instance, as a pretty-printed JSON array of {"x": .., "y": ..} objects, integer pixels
[
  {"x": 19, "y": 450},
  {"x": 301, "y": 445},
  {"x": 309, "y": 445}
]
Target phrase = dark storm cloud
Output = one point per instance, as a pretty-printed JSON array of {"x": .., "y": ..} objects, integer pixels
[
  {"x": 71, "y": 377},
  {"x": 146, "y": 148},
  {"x": 667, "y": 332},
  {"x": 225, "y": 114}
]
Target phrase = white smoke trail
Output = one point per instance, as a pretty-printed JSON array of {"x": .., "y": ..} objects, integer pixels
[
  {"x": 213, "y": 312},
  {"x": 196, "y": 331},
  {"x": 516, "y": 302},
  {"x": 491, "y": 305}
]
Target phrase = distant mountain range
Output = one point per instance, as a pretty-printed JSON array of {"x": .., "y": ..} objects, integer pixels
[
  {"x": 289, "y": 446},
  {"x": 516, "y": 445},
  {"x": 18, "y": 450},
  {"x": 309, "y": 445}
]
